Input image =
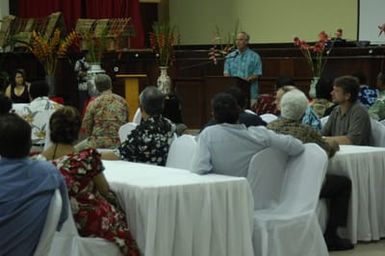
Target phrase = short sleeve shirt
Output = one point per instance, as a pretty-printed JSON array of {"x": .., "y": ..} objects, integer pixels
[{"x": 355, "y": 124}]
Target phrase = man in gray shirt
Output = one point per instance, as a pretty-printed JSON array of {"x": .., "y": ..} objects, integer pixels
[
  {"x": 227, "y": 147},
  {"x": 349, "y": 123}
]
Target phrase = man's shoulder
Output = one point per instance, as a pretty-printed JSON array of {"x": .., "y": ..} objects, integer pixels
[
  {"x": 42, "y": 166},
  {"x": 251, "y": 52}
]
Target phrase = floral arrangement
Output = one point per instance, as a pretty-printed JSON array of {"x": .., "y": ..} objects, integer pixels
[
  {"x": 48, "y": 51},
  {"x": 162, "y": 41},
  {"x": 222, "y": 46},
  {"x": 314, "y": 54}
]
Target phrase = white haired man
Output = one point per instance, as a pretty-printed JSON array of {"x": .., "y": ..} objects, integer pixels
[
  {"x": 335, "y": 188},
  {"x": 244, "y": 63}
]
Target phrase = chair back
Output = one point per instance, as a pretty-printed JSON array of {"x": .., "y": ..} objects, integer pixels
[
  {"x": 137, "y": 117},
  {"x": 324, "y": 120},
  {"x": 68, "y": 242},
  {"x": 378, "y": 133},
  {"x": 303, "y": 180},
  {"x": 50, "y": 225},
  {"x": 265, "y": 176},
  {"x": 249, "y": 111},
  {"x": 181, "y": 152},
  {"x": 125, "y": 130},
  {"x": 268, "y": 117}
]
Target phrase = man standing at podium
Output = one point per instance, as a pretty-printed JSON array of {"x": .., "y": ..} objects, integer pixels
[{"x": 244, "y": 63}]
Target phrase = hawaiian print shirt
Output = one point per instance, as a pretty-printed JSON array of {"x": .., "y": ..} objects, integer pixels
[
  {"x": 102, "y": 120},
  {"x": 149, "y": 142},
  {"x": 367, "y": 95}
]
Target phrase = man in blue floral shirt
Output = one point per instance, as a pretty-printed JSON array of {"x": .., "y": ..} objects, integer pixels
[
  {"x": 244, "y": 63},
  {"x": 367, "y": 95},
  {"x": 150, "y": 141}
]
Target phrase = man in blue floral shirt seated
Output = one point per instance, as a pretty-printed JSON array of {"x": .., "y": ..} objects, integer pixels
[
  {"x": 150, "y": 141},
  {"x": 367, "y": 95}
]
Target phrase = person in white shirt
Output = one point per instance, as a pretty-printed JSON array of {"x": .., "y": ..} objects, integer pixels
[
  {"x": 227, "y": 147},
  {"x": 39, "y": 97},
  {"x": 38, "y": 112}
]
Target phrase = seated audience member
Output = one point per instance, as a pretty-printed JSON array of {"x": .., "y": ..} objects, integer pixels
[
  {"x": 37, "y": 113},
  {"x": 39, "y": 95},
  {"x": 335, "y": 188},
  {"x": 349, "y": 122},
  {"x": 5, "y": 104},
  {"x": 18, "y": 90},
  {"x": 227, "y": 147},
  {"x": 322, "y": 104},
  {"x": 94, "y": 207},
  {"x": 103, "y": 117},
  {"x": 150, "y": 141},
  {"x": 377, "y": 110},
  {"x": 367, "y": 94},
  {"x": 27, "y": 187},
  {"x": 266, "y": 102},
  {"x": 283, "y": 81},
  {"x": 309, "y": 118},
  {"x": 245, "y": 118}
]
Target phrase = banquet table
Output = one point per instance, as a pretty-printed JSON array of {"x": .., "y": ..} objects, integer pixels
[
  {"x": 365, "y": 166},
  {"x": 176, "y": 212}
]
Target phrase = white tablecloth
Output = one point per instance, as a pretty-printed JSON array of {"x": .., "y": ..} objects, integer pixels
[
  {"x": 175, "y": 212},
  {"x": 366, "y": 168}
]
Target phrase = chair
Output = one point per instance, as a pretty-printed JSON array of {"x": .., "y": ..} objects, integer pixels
[
  {"x": 50, "y": 225},
  {"x": 125, "y": 130},
  {"x": 268, "y": 117},
  {"x": 324, "y": 120},
  {"x": 137, "y": 117},
  {"x": 68, "y": 242},
  {"x": 181, "y": 152},
  {"x": 265, "y": 176},
  {"x": 249, "y": 111},
  {"x": 378, "y": 133},
  {"x": 292, "y": 228}
]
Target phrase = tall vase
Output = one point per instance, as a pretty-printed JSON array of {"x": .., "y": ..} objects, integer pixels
[
  {"x": 50, "y": 79},
  {"x": 312, "y": 89},
  {"x": 164, "y": 81}
]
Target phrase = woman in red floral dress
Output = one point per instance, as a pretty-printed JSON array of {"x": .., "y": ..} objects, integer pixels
[{"x": 94, "y": 207}]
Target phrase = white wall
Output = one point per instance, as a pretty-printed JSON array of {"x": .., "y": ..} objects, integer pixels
[{"x": 267, "y": 21}]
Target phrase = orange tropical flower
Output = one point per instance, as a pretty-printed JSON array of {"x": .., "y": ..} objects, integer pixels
[{"x": 48, "y": 51}]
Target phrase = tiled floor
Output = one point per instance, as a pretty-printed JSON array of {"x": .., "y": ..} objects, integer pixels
[{"x": 364, "y": 249}]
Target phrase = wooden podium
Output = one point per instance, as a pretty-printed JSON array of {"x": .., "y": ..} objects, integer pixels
[
  {"x": 131, "y": 90},
  {"x": 195, "y": 95}
]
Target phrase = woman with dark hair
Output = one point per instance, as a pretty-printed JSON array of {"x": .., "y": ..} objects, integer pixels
[
  {"x": 322, "y": 103},
  {"x": 94, "y": 206},
  {"x": 18, "y": 90}
]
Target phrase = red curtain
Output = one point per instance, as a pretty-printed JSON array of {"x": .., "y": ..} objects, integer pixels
[
  {"x": 99, "y": 9},
  {"x": 71, "y": 10}
]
